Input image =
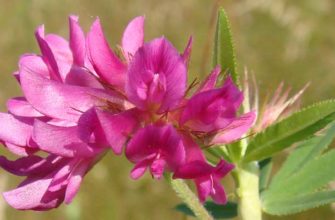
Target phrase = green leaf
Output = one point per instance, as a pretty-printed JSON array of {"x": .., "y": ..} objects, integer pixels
[
  {"x": 295, "y": 204},
  {"x": 297, "y": 127},
  {"x": 223, "y": 46},
  {"x": 312, "y": 176},
  {"x": 217, "y": 211},
  {"x": 297, "y": 186},
  {"x": 304, "y": 153},
  {"x": 265, "y": 172}
]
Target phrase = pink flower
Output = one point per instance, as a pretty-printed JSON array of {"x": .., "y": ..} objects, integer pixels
[
  {"x": 217, "y": 115},
  {"x": 48, "y": 181},
  {"x": 206, "y": 178},
  {"x": 156, "y": 77},
  {"x": 157, "y": 147},
  {"x": 82, "y": 99},
  {"x": 58, "y": 87}
]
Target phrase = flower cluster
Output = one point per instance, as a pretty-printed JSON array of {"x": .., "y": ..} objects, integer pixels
[{"x": 81, "y": 99}]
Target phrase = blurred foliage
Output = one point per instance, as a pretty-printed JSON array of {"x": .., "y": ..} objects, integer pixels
[{"x": 276, "y": 40}]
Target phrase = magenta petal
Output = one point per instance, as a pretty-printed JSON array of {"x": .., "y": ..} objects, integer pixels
[
  {"x": 31, "y": 165},
  {"x": 105, "y": 62},
  {"x": 223, "y": 168},
  {"x": 28, "y": 196},
  {"x": 108, "y": 128},
  {"x": 81, "y": 77},
  {"x": 20, "y": 107},
  {"x": 15, "y": 130},
  {"x": 59, "y": 100},
  {"x": 156, "y": 77},
  {"x": 74, "y": 181},
  {"x": 77, "y": 41},
  {"x": 204, "y": 187},
  {"x": 47, "y": 54},
  {"x": 139, "y": 169},
  {"x": 117, "y": 127},
  {"x": 157, "y": 168},
  {"x": 22, "y": 151},
  {"x": 217, "y": 193},
  {"x": 133, "y": 37},
  {"x": 187, "y": 52},
  {"x": 194, "y": 169},
  {"x": 210, "y": 81},
  {"x": 35, "y": 64},
  {"x": 62, "y": 141},
  {"x": 235, "y": 129},
  {"x": 61, "y": 52},
  {"x": 157, "y": 143}
]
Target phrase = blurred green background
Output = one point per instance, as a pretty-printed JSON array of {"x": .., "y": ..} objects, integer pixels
[{"x": 276, "y": 40}]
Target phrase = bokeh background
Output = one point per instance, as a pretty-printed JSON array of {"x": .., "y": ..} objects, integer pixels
[{"x": 282, "y": 40}]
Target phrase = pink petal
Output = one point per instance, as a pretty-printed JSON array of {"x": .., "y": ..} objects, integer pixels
[
  {"x": 31, "y": 165},
  {"x": 20, "y": 107},
  {"x": 223, "y": 168},
  {"x": 234, "y": 130},
  {"x": 156, "y": 141},
  {"x": 74, "y": 181},
  {"x": 77, "y": 41},
  {"x": 27, "y": 196},
  {"x": 139, "y": 169},
  {"x": 61, "y": 52},
  {"x": 105, "y": 62},
  {"x": 59, "y": 100},
  {"x": 204, "y": 187},
  {"x": 218, "y": 193},
  {"x": 194, "y": 169},
  {"x": 35, "y": 64},
  {"x": 20, "y": 150},
  {"x": 47, "y": 54},
  {"x": 133, "y": 37},
  {"x": 81, "y": 77},
  {"x": 156, "y": 58},
  {"x": 117, "y": 127},
  {"x": 187, "y": 52},
  {"x": 211, "y": 80},
  {"x": 15, "y": 130},
  {"x": 157, "y": 168},
  {"x": 62, "y": 141}
]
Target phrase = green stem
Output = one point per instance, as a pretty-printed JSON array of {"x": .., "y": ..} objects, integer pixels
[
  {"x": 192, "y": 201},
  {"x": 248, "y": 192}
]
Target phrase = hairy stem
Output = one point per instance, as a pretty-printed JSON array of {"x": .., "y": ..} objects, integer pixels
[
  {"x": 192, "y": 201},
  {"x": 248, "y": 192}
]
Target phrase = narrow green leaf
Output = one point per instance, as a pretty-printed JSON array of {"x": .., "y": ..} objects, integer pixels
[
  {"x": 265, "y": 172},
  {"x": 223, "y": 46},
  {"x": 312, "y": 176},
  {"x": 217, "y": 211},
  {"x": 296, "y": 127},
  {"x": 295, "y": 204},
  {"x": 304, "y": 153}
]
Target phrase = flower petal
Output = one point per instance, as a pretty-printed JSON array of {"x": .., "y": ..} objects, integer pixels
[
  {"x": 133, "y": 37},
  {"x": 217, "y": 193},
  {"x": 20, "y": 107},
  {"x": 194, "y": 169},
  {"x": 62, "y": 141},
  {"x": 75, "y": 180},
  {"x": 28, "y": 196},
  {"x": 59, "y": 100},
  {"x": 105, "y": 62},
  {"x": 77, "y": 41},
  {"x": 235, "y": 129},
  {"x": 157, "y": 59},
  {"x": 15, "y": 130},
  {"x": 210, "y": 81},
  {"x": 47, "y": 54}
]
